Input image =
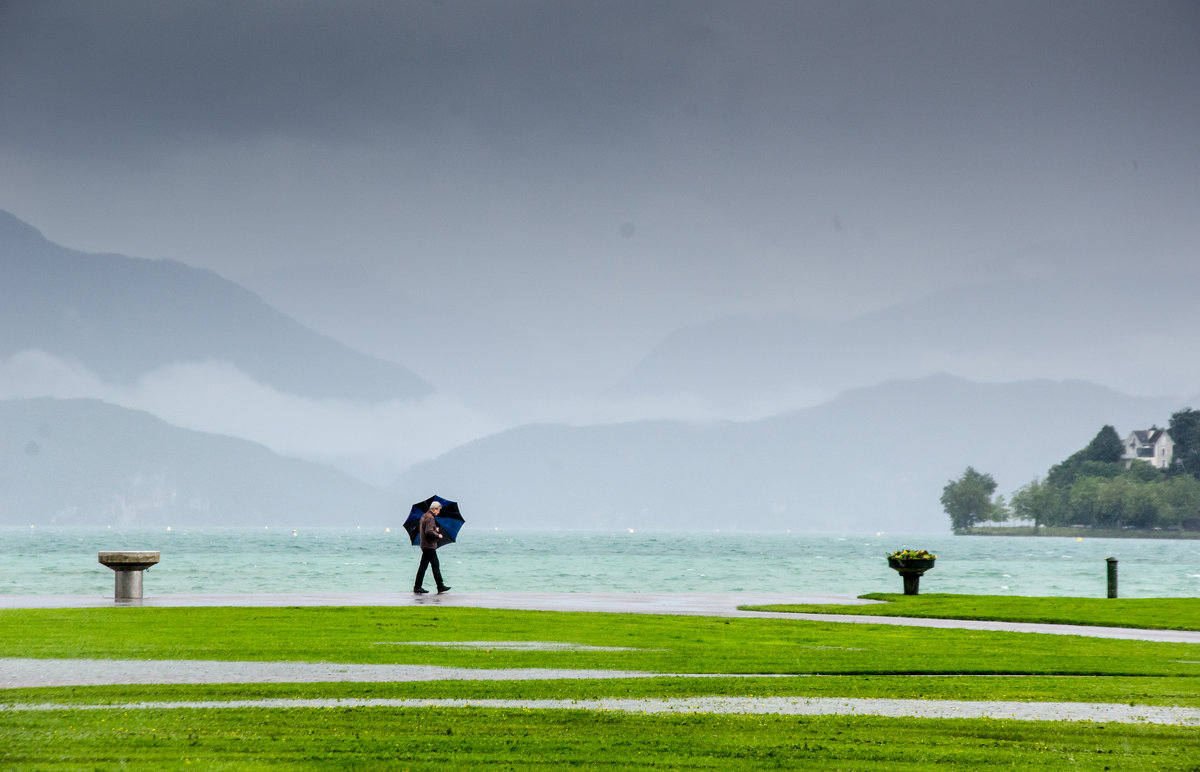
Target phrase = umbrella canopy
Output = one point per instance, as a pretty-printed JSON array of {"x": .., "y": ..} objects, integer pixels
[{"x": 449, "y": 520}]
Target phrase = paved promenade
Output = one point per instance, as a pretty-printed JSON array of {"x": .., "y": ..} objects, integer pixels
[
  {"x": 18, "y": 672},
  {"x": 780, "y": 706},
  {"x": 697, "y": 604}
]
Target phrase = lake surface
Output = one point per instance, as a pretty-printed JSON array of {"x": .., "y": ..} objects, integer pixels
[{"x": 57, "y": 561}]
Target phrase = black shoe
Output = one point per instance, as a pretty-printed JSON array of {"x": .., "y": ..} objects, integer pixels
[
  {"x": 443, "y": 589},
  {"x": 420, "y": 591}
]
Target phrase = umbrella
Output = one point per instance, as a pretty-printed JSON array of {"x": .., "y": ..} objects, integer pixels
[{"x": 449, "y": 520}]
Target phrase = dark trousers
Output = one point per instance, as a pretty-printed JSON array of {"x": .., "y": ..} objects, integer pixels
[{"x": 429, "y": 558}]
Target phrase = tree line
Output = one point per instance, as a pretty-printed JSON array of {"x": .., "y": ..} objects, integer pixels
[{"x": 1094, "y": 487}]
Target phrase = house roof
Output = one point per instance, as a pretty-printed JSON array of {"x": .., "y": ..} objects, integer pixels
[{"x": 1148, "y": 436}]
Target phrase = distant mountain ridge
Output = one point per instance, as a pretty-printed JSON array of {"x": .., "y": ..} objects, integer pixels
[
  {"x": 122, "y": 317},
  {"x": 1129, "y": 332},
  {"x": 872, "y": 459},
  {"x": 87, "y": 463}
]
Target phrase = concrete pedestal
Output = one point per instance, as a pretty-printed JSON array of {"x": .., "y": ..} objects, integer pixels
[
  {"x": 128, "y": 566},
  {"x": 910, "y": 570}
]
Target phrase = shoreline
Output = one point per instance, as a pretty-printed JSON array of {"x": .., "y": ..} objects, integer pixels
[{"x": 1068, "y": 531}]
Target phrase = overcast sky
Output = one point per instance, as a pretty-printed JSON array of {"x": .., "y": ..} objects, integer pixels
[{"x": 565, "y": 182}]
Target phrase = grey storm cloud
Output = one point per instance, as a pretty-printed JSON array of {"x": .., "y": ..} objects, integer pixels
[
  {"x": 102, "y": 77},
  {"x": 172, "y": 72}
]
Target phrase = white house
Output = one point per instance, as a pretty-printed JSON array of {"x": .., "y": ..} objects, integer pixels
[{"x": 1154, "y": 446}]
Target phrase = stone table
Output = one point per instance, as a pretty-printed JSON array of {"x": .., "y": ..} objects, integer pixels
[{"x": 129, "y": 565}]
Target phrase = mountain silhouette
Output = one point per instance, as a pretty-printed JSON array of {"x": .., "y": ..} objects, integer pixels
[
  {"x": 123, "y": 317},
  {"x": 1130, "y": 332},
  {"x": 871, "y": 459},
  {"x": 88, "y": 463}
]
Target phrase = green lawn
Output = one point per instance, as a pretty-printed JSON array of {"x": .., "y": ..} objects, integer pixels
[
  {"x": 1157, "y": 613},
  {"x": 432, "y": 738},
  {"x": 815, "y": 660},
  {"x": 666, "y": 644}
]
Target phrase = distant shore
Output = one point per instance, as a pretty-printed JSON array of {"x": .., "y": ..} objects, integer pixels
[{"x": 1091, "y": 533}]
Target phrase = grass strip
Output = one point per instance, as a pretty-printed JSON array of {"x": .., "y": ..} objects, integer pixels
[
  {"x": 1151, "y": 613},
  {"x": 661, "y": 644},
  {"x": 433, "y": 738}
]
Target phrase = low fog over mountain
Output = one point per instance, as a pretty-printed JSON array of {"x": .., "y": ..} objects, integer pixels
[
  {"x": 1130, "y": 331},
  {"x": 205, "y": 353},
  {"x": 123, "y": 318},
  {"x": 82, "y": 462},
  {"x": 491, "y": 249}
]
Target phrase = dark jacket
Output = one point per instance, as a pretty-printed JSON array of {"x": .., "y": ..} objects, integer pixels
[{"x": 430, "y": 532}]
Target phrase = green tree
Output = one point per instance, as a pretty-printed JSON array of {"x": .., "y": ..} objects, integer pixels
[
  {"x": 1083, "y": 502},
  {"x": 1101, "y": 457},
  {"x": 1095, "y": 488},
  {"x": 1116, "y": 499},
  {"x": 1034, "y": 501},
  {"x": 1178, "y": 501},
  {"x": 1000, "y": 512},
  {"x": 1106, "y": 469},
  {"x": 968, "y": 500},
  {"x": 1144, "y": 509},
  {"x": 1185, "y": 431},
  {"x": 1105, "y": 447},
  {"x": 1143, "y": 471}
]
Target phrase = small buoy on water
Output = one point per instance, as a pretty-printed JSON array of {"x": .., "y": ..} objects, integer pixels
[
  {"x": 387, "y": 530},
  {"x": 1078, "y": 538},
  {"x": 168, "y": 528},
  {"x": 631, "y": 530},
  {"x": 293, "y": 532}
]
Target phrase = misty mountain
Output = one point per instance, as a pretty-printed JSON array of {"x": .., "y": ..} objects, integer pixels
[
  {"x": 122, "y": 317},
  {"x": 367, "y": 312},
  {"x": 84, "y": 462},
  {"x": 872, "y": 459},
  {"x": 1133, "y": 333}
]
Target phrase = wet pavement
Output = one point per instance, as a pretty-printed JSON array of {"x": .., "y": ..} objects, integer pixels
[
  {"x": 17, "y": 673},
  {"x": 703, "y": 604},
  {"x": 1108, "y": 713}
]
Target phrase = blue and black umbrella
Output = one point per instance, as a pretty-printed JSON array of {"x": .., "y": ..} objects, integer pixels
[{"x": 450, "y": 520}]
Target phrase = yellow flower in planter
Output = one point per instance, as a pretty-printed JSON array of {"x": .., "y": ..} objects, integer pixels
[{"x": 913, "y": 555}]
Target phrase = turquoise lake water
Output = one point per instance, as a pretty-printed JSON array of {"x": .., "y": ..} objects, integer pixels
[{"x": 49, "y": 561}]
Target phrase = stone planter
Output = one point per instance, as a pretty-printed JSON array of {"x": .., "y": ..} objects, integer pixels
[{"x": 910, "y": 570}]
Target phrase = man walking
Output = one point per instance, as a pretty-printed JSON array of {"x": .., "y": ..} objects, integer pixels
[{"x": 430, "y": 534}]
